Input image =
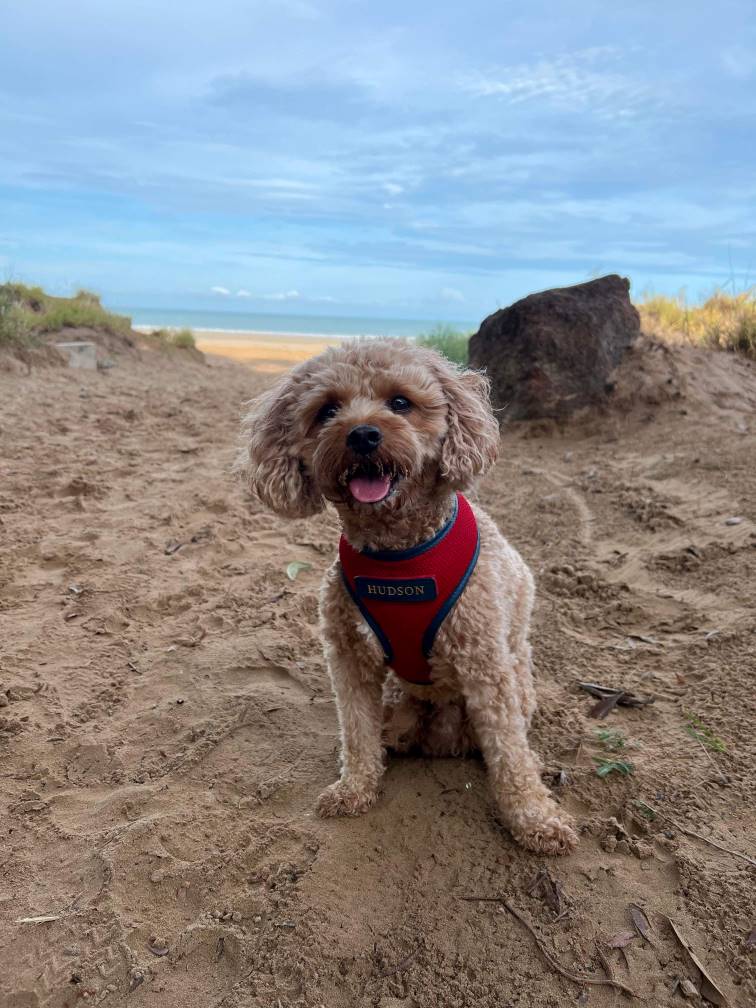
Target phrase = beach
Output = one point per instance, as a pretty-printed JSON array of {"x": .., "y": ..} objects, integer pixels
[
  {"x": 167, "y": 720},
  {"x": 263, "y": 351}
]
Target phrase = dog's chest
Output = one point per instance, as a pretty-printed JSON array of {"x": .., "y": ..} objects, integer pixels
[{"x": 404, "y": 596}]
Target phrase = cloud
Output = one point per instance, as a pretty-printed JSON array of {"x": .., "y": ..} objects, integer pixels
[
  {"x": 290, "y": 295},
  {"x": 589, "y": 79},
  {"x": 394, "y": 161}
]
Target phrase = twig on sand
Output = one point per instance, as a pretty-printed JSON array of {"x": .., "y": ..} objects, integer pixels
[
  {"x": 609, "y": 697},
  {"x": 483, "y": 899},
  {"x": 605, "y": 961},
  {"x": 699, "y": 836},
  {"x": 713, "y": 843},
  {"x": 711, "y": 760},
  {"x": 575, "y": 977},
  {"x": 401, "y": 966}
]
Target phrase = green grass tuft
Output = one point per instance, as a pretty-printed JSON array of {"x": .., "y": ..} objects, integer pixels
[
  {"x": 606, "y": 766},
  {"x": 14, "y": 327},
  {"x": 181, "y": 338},
  {"x": 611, "y": 739},
  {"x": 184, "y": 339},
  {"x": 449, "y": 341},
  {"x": 701, "y": 733},
  {"x": 27, "y": 312},
  {"x": 722, "y": 322}
]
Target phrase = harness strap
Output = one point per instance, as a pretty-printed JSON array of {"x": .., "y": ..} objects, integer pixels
[{"x": 405, "y": 595}]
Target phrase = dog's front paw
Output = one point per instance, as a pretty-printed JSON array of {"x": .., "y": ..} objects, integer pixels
[
  {"x": 345, "y": 798},
  {"x": 551, "y": 833}
]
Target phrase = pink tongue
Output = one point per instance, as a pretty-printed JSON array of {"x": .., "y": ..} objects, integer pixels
[{"x": 369, "y": 491}]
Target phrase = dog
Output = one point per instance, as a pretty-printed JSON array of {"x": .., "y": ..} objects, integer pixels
[{"x": 426, "y": 613}]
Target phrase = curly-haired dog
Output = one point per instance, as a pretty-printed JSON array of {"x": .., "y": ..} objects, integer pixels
[{"x": 426, "y": 613}]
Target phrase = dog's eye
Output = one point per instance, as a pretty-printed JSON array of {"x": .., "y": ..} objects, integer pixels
[
  {"x": 327, "y": 412},
  {"x": 399, "y": 404}
]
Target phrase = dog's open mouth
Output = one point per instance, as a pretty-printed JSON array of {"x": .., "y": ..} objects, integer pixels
[{"x": 369, "y": 482}]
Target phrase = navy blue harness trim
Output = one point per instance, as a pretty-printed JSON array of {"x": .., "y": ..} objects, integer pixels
[
  {"x": 434, "y": 626},
  {"x": 388, "y": 651},
  {"x": 414, "y": 551}
]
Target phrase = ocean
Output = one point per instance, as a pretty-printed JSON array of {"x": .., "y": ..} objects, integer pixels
[{"x": 292, "y": 325}]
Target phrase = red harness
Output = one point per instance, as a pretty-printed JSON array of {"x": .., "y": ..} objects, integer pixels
[{"x": 405, "y": 595}]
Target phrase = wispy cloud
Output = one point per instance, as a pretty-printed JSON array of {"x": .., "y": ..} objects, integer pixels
[
  {"x": 353, "y": 161},
  {"x": 589, "y": 79},
  {"x": 290, "y": 295}
]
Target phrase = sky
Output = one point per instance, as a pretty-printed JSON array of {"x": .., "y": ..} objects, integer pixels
[{"x": 417, "y": 160}]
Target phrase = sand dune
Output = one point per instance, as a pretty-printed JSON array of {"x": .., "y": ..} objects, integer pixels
[{"x": 167, "y": 722}]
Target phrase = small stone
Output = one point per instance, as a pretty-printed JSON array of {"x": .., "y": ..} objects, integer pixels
[
  {"x": 136, "y": 977},
  {"x": 30, "y": 806},
  {"x": 688, "y": 989},
  {"x": 4, "y": 700},
  {"x": 642, "y": 850},
  {"x": 236, "y": 917},
  {"x": 17, "y": 693},
  {"x": 158, "y": 945}
]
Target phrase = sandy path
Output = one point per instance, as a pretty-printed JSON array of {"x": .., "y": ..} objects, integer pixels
[
  {"x": 168, "y": 722},
  {"x": 265, "y": 352}
]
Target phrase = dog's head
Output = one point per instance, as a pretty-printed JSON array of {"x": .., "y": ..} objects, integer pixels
[{"x": 369, "y": 424}]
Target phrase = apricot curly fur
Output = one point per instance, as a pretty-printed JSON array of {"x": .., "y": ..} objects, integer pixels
[{"x": 482, "y": 696}]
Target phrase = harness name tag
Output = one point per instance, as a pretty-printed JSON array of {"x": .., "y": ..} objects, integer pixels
[{"x": 421, "y": 589}]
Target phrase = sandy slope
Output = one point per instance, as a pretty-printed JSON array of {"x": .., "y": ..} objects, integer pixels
[{"x": 168, "y": 722}]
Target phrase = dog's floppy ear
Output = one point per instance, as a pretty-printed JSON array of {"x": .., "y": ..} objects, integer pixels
[
  {"x": 269, "y": 460},
  {"x": 472, "y": 438}
]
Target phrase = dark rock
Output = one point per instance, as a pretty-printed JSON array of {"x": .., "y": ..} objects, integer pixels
[{"x": 552, "y": 353}]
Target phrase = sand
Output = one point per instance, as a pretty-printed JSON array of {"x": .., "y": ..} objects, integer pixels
[
  {"x": 265, "y": 352},
  {"x": 167, "y": 723}
]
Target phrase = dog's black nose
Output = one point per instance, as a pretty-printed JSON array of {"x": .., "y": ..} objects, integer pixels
[{"x": 364, "y": 439}]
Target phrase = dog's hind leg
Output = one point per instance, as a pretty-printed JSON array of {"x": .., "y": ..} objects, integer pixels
[
  {"x": 519, "y": 645},
  {"x": 402, "y": 717},
  {"x": 447, "y": 731},
  {"x": 524, "y": 802}
]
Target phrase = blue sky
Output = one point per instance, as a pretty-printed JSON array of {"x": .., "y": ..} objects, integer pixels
[{"x": 424, "y": 159}]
